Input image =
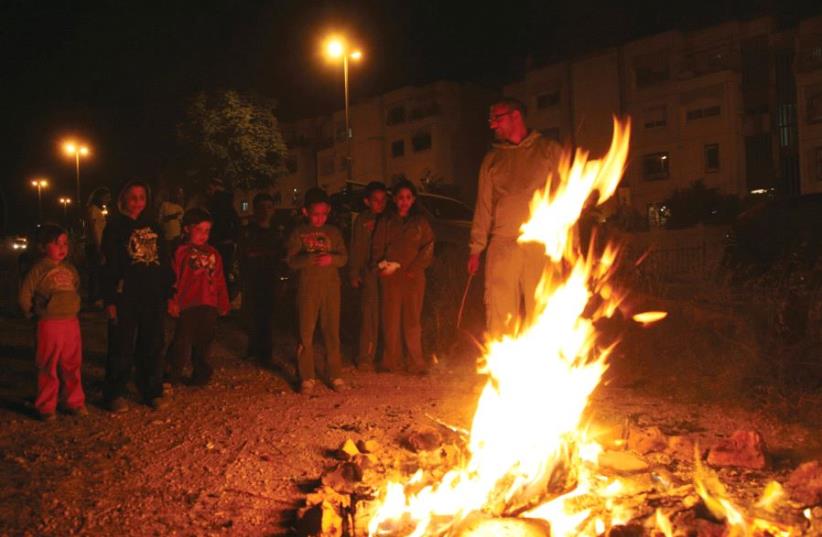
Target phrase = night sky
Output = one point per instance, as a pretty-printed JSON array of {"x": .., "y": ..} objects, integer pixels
[{"x": 118, "y": 73}]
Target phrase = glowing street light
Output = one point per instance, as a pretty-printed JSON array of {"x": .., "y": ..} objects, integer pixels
[
  {"x": 336, "y": 47},
  {"x": 40, "y": 184},
  {"x": 65, "y": 202},
  {"x": 76, "y": 150}
]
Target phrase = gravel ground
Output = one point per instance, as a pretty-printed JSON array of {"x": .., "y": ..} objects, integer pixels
[{"x": 236, "y": 457}]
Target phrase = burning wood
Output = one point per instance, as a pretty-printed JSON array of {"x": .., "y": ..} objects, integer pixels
[{"x": 529, "y": 453}]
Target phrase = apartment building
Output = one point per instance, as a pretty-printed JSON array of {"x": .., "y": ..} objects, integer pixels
[
  {"x": 431, "y": 134},
  {"x": 717, "y": 105}
]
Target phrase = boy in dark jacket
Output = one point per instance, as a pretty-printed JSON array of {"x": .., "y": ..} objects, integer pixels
[
  {"x": 402, "y": 248},
  {"x": 49, "y": 293},
  {"x": 362, "y": 276},
  {"x": 137, "y": 283},
  {"x": 261, "y": 249},
  {"x": 317, "y": 251},
  {"x": 200, "y": 296}
]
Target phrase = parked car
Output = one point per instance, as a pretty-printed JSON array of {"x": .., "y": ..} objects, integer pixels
[
  {"x": 450, "y": 218},
  {"x": 773, "y": 231}
]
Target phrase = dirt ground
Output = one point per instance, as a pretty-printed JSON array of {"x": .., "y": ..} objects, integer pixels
[{"x": 236, "y": 457}]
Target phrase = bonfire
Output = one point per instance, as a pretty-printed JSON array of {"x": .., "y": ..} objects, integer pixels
[{"x": 533, "y": 466}]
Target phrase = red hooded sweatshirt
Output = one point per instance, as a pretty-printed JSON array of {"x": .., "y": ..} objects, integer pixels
[{"x": 200, "y": 281}]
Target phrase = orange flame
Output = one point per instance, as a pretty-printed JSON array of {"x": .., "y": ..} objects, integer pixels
[{"x": 526, "y": 434}]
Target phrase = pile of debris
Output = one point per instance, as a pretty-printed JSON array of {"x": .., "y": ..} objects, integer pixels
[{"x": 671, "y": 491}]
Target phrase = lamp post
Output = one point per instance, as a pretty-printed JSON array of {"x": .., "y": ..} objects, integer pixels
[
  {"x": 335, "y": 48},
  {"x": 39, "y": 184},
  {"x": 76, "y": 150},
  {"x": 65, "y": 202}
]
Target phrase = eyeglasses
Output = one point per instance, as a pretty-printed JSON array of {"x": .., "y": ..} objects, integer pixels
[{"x": 497, "y": 117}]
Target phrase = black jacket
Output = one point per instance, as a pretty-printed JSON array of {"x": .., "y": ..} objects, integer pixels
[{"x": 137, "y": 267}]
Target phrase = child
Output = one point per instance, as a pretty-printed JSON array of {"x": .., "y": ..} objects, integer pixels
[
  {"x": 137, "y": 283},
  {"x": 363, "y": 277},
  {"x": 49, "y": 293},
  {"x": 317, "y": 250},
  {"x": 201, "y": 295},
  {"x": 260, "y": 251},
  {"x": 403, "y": 247}
]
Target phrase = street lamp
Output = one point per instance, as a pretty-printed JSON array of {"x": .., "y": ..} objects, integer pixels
[
  {"x": 39, "y": 184},
  {"x": 65, "y": 202},
  {"x": 76, "y": 150},
  {"x": 335, "y": 48}
]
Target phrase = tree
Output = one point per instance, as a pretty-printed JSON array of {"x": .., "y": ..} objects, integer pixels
[{"x": 234, "y": 137}]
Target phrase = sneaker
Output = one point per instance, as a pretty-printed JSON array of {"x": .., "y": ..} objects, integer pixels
[
  {"x": 157, "y": 403},
  {"x": 118, "y": 404},
  {"x": 77, "y": 411},
  {"x": 307, "y": 386},
  {"x": 337, "y": 384},
  {"x": 49, "y": 416}
]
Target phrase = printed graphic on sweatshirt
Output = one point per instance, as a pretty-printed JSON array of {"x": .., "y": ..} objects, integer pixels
[
  {"x": 59, "y": 279},
  {"x": 315, "y": 241},
  {"x": 142, "y": 247},
  {"x": 202, "y": 260}
]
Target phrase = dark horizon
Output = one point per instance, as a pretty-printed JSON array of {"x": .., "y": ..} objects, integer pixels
[{"x": 119, "y": 76}]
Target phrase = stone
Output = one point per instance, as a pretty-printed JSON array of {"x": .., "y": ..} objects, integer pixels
[
  {"x": 423, "y": 440},
  {"x": 347, "y": 450},
  {"x": 646, "y": 439},
  {"x": 321, "y": 516},
  {"x": 622, "y": 462},
  {"x": 805, "y": 484},
  {"x": 368, "y": 446},
  {"x": 744, "y": 449},
  {"x": 681, "y": 448},
  {"x": 343, "y": 477},
  {"x": 321, "y": 520}
]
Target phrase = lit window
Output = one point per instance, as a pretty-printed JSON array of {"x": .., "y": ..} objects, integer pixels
[
  {"x": 658, "y": 215},
  {"x": 655, "y": 166},
  {"x": 243, "y": 206},
  {"x": 711, "y": 158}
]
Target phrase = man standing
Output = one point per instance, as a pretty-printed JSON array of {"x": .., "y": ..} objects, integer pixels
[{"x": 519, "y": 163}]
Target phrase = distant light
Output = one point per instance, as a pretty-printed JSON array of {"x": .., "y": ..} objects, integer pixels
[
  {"x": 759, "y": 191},
  {"x": 84, "y": 151},
  {"x": 334, "y": 48},
  {"x": 356, "y": 55},
  {"x": 39, "y": 183},
  {"x": 70, "y": 148},
  {"x": 663, "y": 157}
]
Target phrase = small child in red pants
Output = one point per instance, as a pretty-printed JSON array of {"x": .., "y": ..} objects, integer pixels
[{"x": 49, "y": 293}]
